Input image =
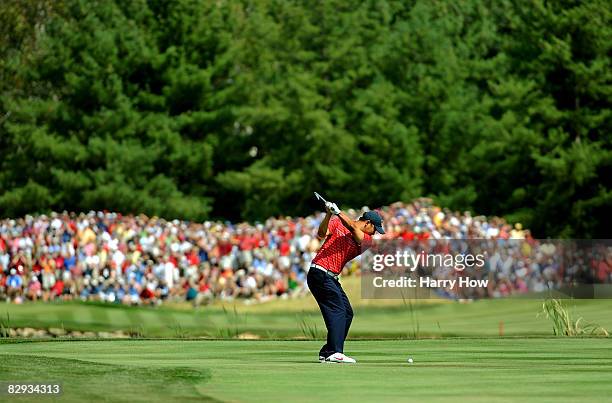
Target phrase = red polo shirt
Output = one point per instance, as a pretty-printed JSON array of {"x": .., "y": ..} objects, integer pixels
[{"x": 339, "y": 247}]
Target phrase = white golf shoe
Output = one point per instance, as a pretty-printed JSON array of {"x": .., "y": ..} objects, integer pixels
[{"x": 340, "y": 358}]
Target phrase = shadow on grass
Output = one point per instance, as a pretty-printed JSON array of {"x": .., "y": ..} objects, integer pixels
[{"x": 91, "y": 381}]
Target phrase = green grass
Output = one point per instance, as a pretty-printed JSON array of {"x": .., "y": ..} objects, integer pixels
[
  {"x": 301, "y": 318},
  {"x": 458, "y": 353},
  {"x": 481, "y": 370},
  {"x": 282, "y": 320}
]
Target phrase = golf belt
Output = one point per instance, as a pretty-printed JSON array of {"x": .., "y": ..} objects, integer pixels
[{"x": 329, "y": 272}]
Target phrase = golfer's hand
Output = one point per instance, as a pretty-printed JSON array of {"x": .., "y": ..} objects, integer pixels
[{"x": 332, "y": 208}]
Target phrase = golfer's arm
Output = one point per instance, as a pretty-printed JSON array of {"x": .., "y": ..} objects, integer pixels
[
  {"x": 351, "y": 225},
  {"x": 322, "y": 232}
]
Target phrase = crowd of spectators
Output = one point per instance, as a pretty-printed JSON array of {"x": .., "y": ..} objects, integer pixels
[
  {"x": 516, "y": 262},
  {"x": 106, "y": 256}
]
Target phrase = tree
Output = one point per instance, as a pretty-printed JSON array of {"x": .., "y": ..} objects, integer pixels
[{"x": 240, "y": 110}]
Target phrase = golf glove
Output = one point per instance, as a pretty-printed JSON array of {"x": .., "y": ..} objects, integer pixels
[{"x": 332, "y": 208}]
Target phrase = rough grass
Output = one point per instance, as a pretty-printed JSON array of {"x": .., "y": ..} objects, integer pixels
[
  {"x": 433, "y": 319},
  {"x": 564, "y": 324},
  {"x": 300, "y": 318}
]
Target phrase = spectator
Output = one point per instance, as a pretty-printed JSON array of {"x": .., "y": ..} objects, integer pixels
[
  {"x": 14, "y": 285},
  {"x": 137, "y": 259}
]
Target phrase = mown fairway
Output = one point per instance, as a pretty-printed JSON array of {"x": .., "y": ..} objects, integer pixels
[
  {"x": 458, "y": 353},
  {"x": 484, "y": 370}
]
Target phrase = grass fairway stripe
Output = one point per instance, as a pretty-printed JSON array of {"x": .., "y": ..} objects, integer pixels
[{"x": 481, "y": 370}]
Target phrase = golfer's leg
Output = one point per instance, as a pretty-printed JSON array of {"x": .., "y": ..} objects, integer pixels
[
  {"x": 315, "y": 284},
  {"x": 325, "y": 351},
  {"x": 334, "y": 315},
  {"x": 348, "y": 313},
  {"x": 328, "y": 316}
]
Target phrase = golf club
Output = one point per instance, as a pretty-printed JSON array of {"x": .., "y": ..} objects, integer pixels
[{"x": 319, "y": 197}]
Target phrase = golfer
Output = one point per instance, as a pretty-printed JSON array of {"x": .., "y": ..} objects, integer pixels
[{"x": 344, "y": 240}]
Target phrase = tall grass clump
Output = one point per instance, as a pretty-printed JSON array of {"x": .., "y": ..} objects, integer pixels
[
  {"x": 179, "y": 331},
  {"x": 137, "y": 332},
  {"x": 5, "y": 326},
  {"x": 565, "y": 325},
  {"x": 234, "y": 321},
  {"x": 309, "y": 330},
  {"x": 410, "y": 306}
]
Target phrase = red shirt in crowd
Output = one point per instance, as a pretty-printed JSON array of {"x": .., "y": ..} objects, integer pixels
[
  {"x": 58, "y": 287},
  {"x": 193, "y": 258},
  {"x": 285, "y": 248},
  {"x": 146, "y": 294},
  {"x": 225, "y": 248}
]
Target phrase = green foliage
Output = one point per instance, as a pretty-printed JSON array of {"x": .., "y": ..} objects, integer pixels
[{"x": 240, "y": 110}]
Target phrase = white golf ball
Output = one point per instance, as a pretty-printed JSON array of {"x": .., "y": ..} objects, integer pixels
[{"x": 410, "y": 360}]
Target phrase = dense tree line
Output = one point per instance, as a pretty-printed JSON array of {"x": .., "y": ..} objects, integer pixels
[{"x": 240, "y": 109}]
